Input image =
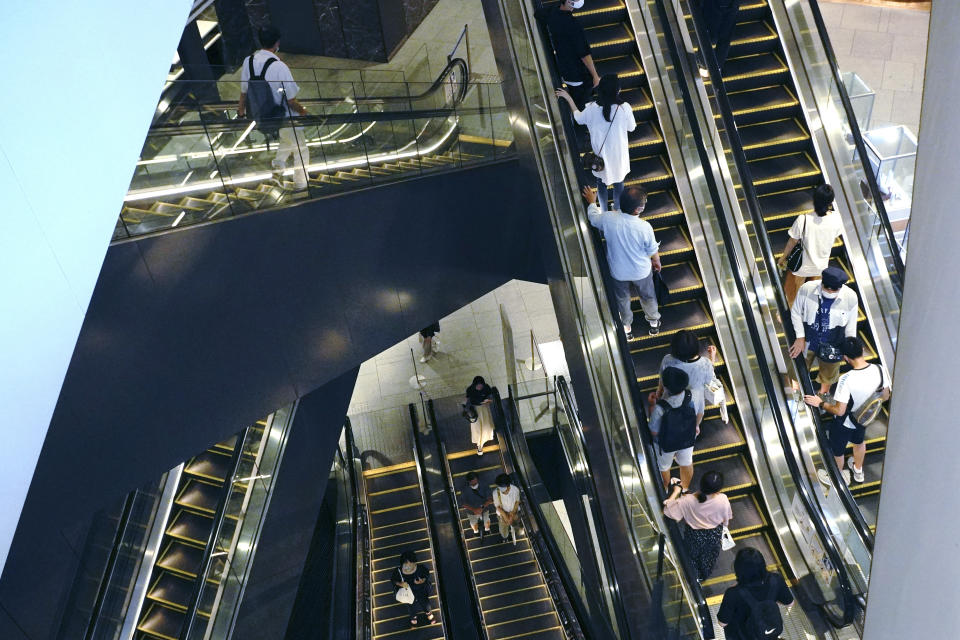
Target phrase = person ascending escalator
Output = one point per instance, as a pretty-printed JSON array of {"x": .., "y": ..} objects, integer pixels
[{"x": 416, "y": 578}]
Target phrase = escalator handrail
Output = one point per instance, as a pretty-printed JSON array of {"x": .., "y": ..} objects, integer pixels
[
  {"x": 428, "y": 514},
  {"x": 193, "y": 604},
  {"x": 698, "y": 600},
  {"x": 812, "y": 507},
  {"x": 455, "y": 510},
  {"x": 770, "y": 263},
  {"x": 363, "y": 620},
  {"x": 107, "y": 578},
  {"x": 857, "y": 139},
  {"x": 589, "y": 486},
  {"x": 537, "y": 528}
]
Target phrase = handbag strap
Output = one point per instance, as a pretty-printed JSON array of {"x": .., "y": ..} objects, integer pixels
[{"x": 612, "y": 119}]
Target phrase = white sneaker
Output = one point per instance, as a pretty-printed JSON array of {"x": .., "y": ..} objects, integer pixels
[
  {"x": 846, "y": 476},
  {"x": 857, "y": 473},
  {"x": 425, "y": 358}
]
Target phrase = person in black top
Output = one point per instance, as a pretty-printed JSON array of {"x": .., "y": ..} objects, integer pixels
[
  {"x": 417, "y": 578},
  {"x": 574, "y": 61},
  {"x": 479, "y": 394},
  {"x": 427, "y": 335},
  {"x": 721, "y": 18},
  {"x": 475, "y": 498},
  {"x": 752, "y": 575}
]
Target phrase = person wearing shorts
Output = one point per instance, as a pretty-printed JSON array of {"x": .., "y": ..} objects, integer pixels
[{"x": 674, "y": 382}]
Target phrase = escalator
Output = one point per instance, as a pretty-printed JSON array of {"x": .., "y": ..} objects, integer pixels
[
  {"x": 721, "y": 446},
  {"x": 200, "y": 163},
  {"x": 783, "y": 168},
  {"x": 178, "y": 577},
  {"x": 508, "y": 576}
]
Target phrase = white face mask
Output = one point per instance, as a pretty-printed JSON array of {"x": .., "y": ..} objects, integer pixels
[
  {"x": 830, "y": 295},
  {"x": 576, "y": 4}
]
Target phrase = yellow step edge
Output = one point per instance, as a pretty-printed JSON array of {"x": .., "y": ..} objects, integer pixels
[
  {"x": 472, "y": 452},
  {"x": 397, "y": 508},
  {"x": 506, "y": 566},
  {"x": 530, "y": 633},
  {"x": 538, "y": 615},
  {"x": 386, "y": 491},
  {"x": 483, "y": 584},
  {"x": 395, "y": 524},
  {"x": 521, "y": 604},
  {"x": 504, "y": 593},
  {"x": 384, "y": 471}
]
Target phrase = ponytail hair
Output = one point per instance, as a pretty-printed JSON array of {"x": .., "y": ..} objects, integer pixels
[{"x": 711, "y": 482}]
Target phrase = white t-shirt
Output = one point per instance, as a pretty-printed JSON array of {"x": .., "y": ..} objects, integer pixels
[
  {"x": 506, "y": 500},
  {"x": 616, "y": 149},
  {"x": 278, "y": 76},
  {"x": 818, "y": 235},
  {"x": 857, "y": 385}
]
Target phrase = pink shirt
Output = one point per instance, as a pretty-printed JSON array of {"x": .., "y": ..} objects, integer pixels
[{"x": 707, "y": 515}]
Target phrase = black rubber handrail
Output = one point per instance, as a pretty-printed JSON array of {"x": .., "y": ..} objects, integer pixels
[
  {"x": 428, "y": 514},
  {"x": 570, "y": 610},
  {"x": 121, "y": 534},
  {"x": 193, "y": 604},
  {"x": 363, "y": 620},
  {"x": 859, "y": 143},
  {"x": 699, "y": 601},
  {"x": 812, "y": 507},
  {"x": 587, "y": 485},
  {"x": 455, "y": 511},
  {"x": 770, "y": 263}
]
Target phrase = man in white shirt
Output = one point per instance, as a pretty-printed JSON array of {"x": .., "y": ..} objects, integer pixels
[
  {"x": 854, "y": 389},
  {"x": 632, "y": 253},
  {"x": 506, "y": 498},
  {"x": 292, "y": 140}
]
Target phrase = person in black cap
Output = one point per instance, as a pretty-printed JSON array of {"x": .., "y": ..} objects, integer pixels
[
  {"x": 674, "y": 426},
  {"x": 823, "y": 314},
  {"x": 574, "y": 60}
]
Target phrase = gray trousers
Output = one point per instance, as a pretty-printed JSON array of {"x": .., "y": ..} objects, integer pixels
[{"x": 648, "y": 299}]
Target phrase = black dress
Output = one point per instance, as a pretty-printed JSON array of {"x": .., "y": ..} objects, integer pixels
[{"x": 421, "y": 592}]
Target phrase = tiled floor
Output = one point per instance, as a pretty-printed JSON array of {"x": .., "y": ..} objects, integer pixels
[
  {"x": 887, "y": 48},
  {"x": 471, "y": 344}
]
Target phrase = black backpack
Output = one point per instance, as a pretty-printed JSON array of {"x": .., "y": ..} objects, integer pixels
[
  {"x": 678, "y": 426},
  {"x": 261, "y": 102},
  {"x": 764, "y": 621}
]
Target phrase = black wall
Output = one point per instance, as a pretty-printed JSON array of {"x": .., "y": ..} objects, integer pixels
[{"x": 192, "y": 335}]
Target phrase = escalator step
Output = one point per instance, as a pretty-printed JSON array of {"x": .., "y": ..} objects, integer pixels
[
  {"x": 673, "y": 243},
  {"x": 488, "y": 585},
  {"x": 723, "y": 575},
  {"x": 645, "y": 137},
  {"x": 387, "y": 607},
  {"x": 689, "y": 314},
  {"x": 640, "y": 101},
  {"x": 400, "y": 514},
  {"x": 400, "y": 539},
  {"x": 752, "y": 36},
  {"x": 390, "y": 560},
  {"x": 181, "y": 558},
  {"x": 161, "y": 622},
  {"x": 661, "y": 205},
  {"x": 869, "y": 503},
  {"x": 627, "y": 68},
  {"x": 716, "y": 437},
  {"x": 600, "y": 12},
  {"x": 491, "y": 547},
  {"x": 737, "y": 474},
  {"x": 525, "y": 604},
  {"x": 510, "y": 595},
  {"x": 752, "y": 10},
  {"x": 747, "y": 516},
  {"x": 198, "y": 495},
  {"x": 783, "y": 171},
  {"x": 172, "y": 590},
  {"x": 483, "y": 465},
  {"x": 513, "y": 567},
  {"x": 776, "y": 136},
  {"x": 764, "y": 103},
  {"x": 610, "y": 40},
  {"x": 190, "y": 526},
  {"x": 541, "y": 617},
  {"x": 782, "y": 207},
  {"x": 385, "y": 481},
  {"x": 648, "y": 171},
  {"x": 398, "y": 495},
  {"x": 506, "y": 555},
  {"x": 754, "y": 69},
  {"x": 399, "y": 623},
  {"x": 683, "y": 280}
]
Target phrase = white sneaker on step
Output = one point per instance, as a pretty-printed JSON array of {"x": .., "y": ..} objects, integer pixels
[{"x": 857, "y": 473}]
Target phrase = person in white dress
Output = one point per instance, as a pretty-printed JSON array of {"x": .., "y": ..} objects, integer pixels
[
  {"x": 817, "y": 231},
  {"x": 480, "y": 395},
  {"x": 609, "y": 120}
]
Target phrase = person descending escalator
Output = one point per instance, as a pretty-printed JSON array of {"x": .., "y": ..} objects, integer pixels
[
  {"x": 475, "y": 499},
  {"x": 704, "y": 514},
  {"x": 673, "y": 425},
  {"x": 685, "y": 355},
  {"x": 574, "y": 60},
  {"x": 479, "y": 397},
  {"x": 415, "y": 577},
  {"x": 749, "y": 609},
  {"x": 721, "y": 19},
  {"x": 506, "y": 498},
  {"x": 609, "y": 120}
]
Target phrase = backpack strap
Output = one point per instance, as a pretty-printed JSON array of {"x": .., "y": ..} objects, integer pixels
[
  {"x": 880, "y": 371},
  {"x": 266, "y": 65}
]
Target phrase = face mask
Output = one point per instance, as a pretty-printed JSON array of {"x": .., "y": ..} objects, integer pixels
[
  {"x": 576, "y": 4},
  {"x": 830, "y": 295},
  {"x": 474, "y": 486}
]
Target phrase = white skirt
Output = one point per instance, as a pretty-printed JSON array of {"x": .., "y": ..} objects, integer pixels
[{"x": 481, "y": 431}]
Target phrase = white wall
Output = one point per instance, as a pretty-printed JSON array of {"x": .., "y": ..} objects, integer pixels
[
  {"x": 79, "y": 84},
  {"x": 913, "y": 588}
]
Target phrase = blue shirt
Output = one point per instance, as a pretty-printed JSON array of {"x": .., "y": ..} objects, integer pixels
[{"x": 630, "y": 243}]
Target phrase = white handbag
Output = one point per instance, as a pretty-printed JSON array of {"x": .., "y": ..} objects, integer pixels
[
  {"x": 405, "y": 595},
  {"x": 726, "y": 540},
  {"x": 713, "y": 394}
]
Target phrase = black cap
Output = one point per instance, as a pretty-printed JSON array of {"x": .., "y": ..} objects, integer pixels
[
  {"x": 675, "y": 380},
  {"x": 833, "y": 277}
]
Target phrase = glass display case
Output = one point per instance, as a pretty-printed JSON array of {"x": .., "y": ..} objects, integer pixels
[
  {"x": 892, "y": 152},
  {"x": 861, "y": 97}
]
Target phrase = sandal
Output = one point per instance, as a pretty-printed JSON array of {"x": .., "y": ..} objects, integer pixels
[
  {"x": 430, "y": 618},
  {"x": 414, "y": 622}
]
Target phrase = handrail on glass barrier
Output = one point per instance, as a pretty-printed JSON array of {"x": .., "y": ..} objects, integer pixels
[
  {"x": 770, "y": 263},
  {"x": 698, "y": 600},
  {"x": 817, "y": 517},
  {"x": 854, "y": 127}
]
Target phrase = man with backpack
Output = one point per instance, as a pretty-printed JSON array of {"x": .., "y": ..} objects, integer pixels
[
  {"x": 860, "y": 394},
  {"x": 268, "y": 94},
  {"x": 674, "y": 427},
  {"x": 749, "y": 610}
]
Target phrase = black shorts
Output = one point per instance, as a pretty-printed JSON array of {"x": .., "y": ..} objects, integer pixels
[
  {"x": 840, "y": 435},
  {"x": 429, "y": 332}
]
